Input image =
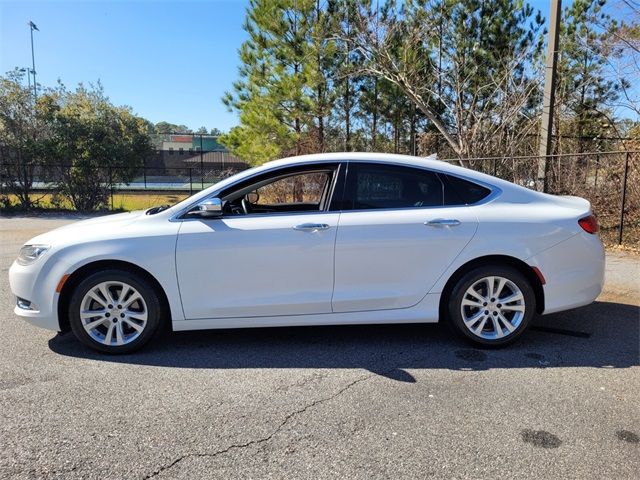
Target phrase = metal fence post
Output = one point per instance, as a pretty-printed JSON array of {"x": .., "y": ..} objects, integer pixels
[
  {"x": 586, "y": 170},
  {"x": 624, "y": 197},
  {"x": 144, "y": 171},
  {"x": 111, "y": 186},
  {"x": 190, "y": 181},
  {"x": 201, "y": 165}
]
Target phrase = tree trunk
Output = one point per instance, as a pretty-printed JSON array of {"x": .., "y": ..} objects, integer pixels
[
  {"x": 347, "y": 116},
  {"x": 413, "y": 130},
  {"x": 374, "y": 119}
]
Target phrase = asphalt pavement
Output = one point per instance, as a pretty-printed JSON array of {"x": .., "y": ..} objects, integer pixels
[{"x": 393, "y": 401}]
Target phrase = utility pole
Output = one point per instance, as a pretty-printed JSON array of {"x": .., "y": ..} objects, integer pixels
[
  {"x": 33, "y": 27},
  {"x": 546, "y": 124}
]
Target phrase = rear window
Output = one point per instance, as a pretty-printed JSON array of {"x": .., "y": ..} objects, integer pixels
[{"x": 462, "y": 192}]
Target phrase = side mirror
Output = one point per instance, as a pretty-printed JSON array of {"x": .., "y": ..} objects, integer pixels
[{"x": 211, "y": 207}]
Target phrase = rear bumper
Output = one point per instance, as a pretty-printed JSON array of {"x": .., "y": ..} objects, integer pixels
[{"x": 573, "y": 270}]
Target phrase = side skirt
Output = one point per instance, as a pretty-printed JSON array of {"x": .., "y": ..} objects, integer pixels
[{"x": 424, "y": 312}]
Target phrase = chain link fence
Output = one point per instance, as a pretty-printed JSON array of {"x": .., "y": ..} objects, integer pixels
[{"x": 609, "y": 180}]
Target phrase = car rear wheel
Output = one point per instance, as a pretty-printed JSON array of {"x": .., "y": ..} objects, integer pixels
[
  {"x": 115, "y": 311},
  {"x": 492, "y": 305}
]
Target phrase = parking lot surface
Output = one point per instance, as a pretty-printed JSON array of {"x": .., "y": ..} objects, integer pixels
[{"x": 398, "y": 401}]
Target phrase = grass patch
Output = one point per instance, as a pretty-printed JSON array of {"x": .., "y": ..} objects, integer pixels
[{"x": 121, "y": 201}]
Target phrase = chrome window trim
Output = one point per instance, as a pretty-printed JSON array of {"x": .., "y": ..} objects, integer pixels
[
  {"x": 494, "y": 191},
  {"x": 178, "y": 216}
]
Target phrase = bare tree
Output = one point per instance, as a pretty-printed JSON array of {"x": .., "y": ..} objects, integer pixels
[
  {"x": 622, "y": 44},
  {"x": 479, "y": 95}
]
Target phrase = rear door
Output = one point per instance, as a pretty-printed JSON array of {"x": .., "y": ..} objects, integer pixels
[{"x": 395, "y": 236}]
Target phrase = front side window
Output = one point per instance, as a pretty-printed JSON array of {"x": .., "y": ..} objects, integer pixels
[
  {"x": 374, "y": 186},
  {"x": 304, "y": 191},
  {"x": 306, "y": 188}
]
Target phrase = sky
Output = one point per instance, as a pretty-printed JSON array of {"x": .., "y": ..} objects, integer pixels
[{"x": 167, "y": 60}]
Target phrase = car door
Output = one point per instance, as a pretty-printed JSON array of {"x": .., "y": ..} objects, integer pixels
[
  {"x": 275, "y": 259},
  {"x": 395, "y": 237}
]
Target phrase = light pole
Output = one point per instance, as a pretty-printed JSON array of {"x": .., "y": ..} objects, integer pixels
[{"x": 33, "y": 27}]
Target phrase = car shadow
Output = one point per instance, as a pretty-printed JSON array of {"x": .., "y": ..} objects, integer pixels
[{"x": 601, "y": 335}]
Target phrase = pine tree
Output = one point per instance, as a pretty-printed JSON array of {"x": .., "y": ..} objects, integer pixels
[{"x": 272, "y": 94}]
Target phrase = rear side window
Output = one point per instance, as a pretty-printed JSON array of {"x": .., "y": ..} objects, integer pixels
[
  {"x": 373, "y": 186},
  {"x": 462, "y": 192}
]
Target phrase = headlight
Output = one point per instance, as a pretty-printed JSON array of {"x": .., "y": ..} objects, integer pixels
[{"x": 30, "y": 253}]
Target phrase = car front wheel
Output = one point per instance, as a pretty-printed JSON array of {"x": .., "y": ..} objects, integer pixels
[
  {"x": 492, "y": 306},
  {"x": 115, "y": 311}
]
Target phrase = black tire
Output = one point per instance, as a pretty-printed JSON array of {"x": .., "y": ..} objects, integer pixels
[
  {"x": 455, "y": 310},
  {"x": 156, "y": 315}
]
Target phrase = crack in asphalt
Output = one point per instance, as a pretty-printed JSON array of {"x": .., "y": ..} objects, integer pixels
[{"x": 263, "y": 439}]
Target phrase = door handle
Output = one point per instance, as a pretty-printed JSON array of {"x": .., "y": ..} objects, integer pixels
[
  {"x": 311, "y": 227},
  {"x": 442, "y": 222}
]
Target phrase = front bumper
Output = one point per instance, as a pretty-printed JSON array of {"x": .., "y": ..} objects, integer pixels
[{"x": 36, "y": 284}]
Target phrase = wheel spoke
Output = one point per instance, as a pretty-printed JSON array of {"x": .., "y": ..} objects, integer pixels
[
  {"x": 133, "y": 324},
  {"x": 514, "y": 308},
  {"x": 88, "y": 314},
  {"x": 141, "y": 316},
  {"x": 506, "y": 323},
  {"x": 131, "y": 300},
  {"x": 512, "y": 298},
  {"x": 123, "y": 293},
  {"x": 496, "y": 327},
  {"x": 490, "y": 281},
  {"x": 475, "y": 295},
  {"x": 480, "y": 327},
  {"x": 105, "y": 291},
  {"x": 469, "y": 322},
  {"x": 119, "y": 334},
  {"x": 501, "y": 283},
  {"x": 95, "y": 323},
  {"x": 109, "y": 334},
  {"x": 471, "y": 303},
  {"x": 97, "y": 298}
]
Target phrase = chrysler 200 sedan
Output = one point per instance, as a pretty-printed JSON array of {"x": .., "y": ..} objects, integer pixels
[{"x": 329, "y": 239}]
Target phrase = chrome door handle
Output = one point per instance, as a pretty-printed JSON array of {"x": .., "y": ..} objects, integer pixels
[
  {"x": 442, "y": 222},
  {"x": 311, "y": 227}
]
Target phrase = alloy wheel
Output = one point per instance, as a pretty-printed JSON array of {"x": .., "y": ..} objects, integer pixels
[
  {"x": 493, "y": 307},
  {"x": 113, "y": 313}
]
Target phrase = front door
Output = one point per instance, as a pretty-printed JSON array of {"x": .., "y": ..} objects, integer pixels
[{"x": 270, "y": 254}]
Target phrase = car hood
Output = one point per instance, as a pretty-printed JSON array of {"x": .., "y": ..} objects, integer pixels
[{"x": 93, "y": 228}]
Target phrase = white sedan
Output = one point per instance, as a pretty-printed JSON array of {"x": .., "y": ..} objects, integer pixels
[{"x": 331, "y": 239}]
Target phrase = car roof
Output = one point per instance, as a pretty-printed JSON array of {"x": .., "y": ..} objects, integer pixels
[
  {"x": 360, "y": 156},
  {"x": 430, "y": 162}
]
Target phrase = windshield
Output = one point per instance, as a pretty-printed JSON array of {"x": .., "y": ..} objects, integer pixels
[{"x": 201, "y": 195}]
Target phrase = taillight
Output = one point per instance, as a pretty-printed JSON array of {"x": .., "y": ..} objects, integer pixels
[{"x": 589, "y": 224}]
